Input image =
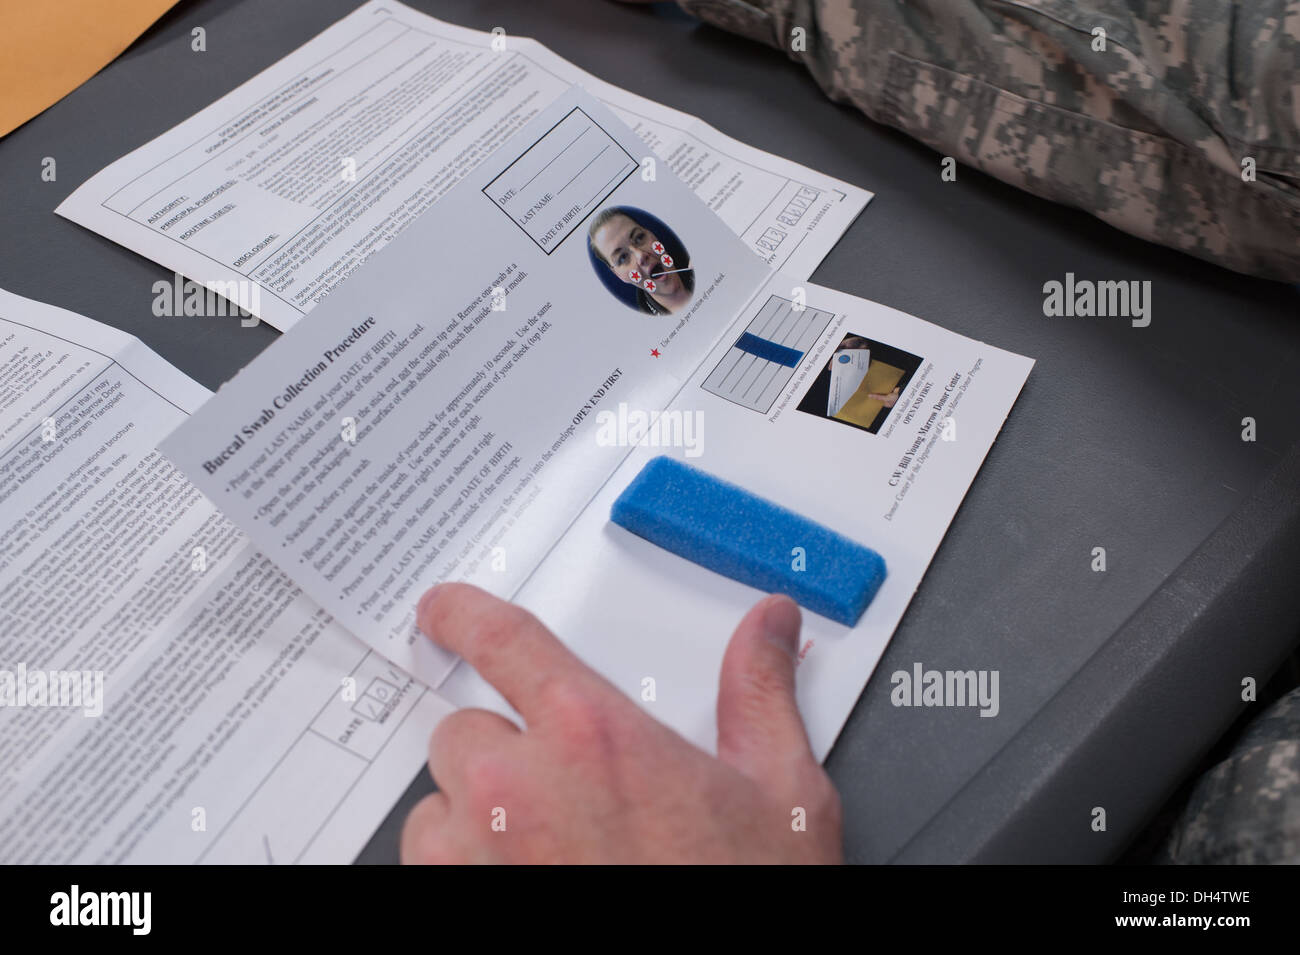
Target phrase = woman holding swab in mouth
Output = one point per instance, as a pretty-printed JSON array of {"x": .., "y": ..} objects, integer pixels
[{"x": 657, "y": 266}]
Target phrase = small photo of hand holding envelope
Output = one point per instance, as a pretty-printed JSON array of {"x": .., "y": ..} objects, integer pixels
[{"x": 861, "y": 383}]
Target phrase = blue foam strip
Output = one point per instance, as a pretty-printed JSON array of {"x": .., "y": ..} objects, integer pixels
[
  {"x": 725, "y": 528},
  {"x": 769, "y": 350}
]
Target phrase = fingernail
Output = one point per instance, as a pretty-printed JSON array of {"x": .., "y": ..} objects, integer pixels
[
  {"x": 781, "y": 623},
  {"x": 426, "y": 602}
]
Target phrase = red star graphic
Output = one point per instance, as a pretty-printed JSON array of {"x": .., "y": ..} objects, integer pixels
[
  {"x": 634, "y": 275},
  {"x": 649, "y": 285},
  {"x": 667, "y": 260},
  {"x": 654, "y": 353},
  {"x": 658, "y": 248}
]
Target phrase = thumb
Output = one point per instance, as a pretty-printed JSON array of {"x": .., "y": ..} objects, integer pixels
[{"x": 760, "y": 731}]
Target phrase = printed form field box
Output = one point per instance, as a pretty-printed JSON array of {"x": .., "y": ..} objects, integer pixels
[
  {"x": 560, "y": 179},
  {"x": 760, "y": 364}
]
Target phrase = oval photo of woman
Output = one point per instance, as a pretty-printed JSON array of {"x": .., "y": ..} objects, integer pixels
[{"x": 640, "y": 260}]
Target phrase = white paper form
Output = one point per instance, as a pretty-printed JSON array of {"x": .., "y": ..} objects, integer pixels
[
  {"x": 890, "y": 475},
  {"x": 281, "y": 189},
  {"x": 227, "y": 732},
  {"x": 431, "y": 425},
  {"x": 632, "y": 610}
]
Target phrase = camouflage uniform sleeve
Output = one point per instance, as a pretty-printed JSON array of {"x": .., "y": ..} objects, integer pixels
[
  {"x": 1246, "y": 809},
  {"x": 1174, "y": 120}
]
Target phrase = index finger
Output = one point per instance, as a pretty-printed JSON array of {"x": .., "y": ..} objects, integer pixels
[{"x": 507, "y": 645}]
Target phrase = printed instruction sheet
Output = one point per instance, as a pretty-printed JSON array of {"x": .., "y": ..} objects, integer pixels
[
  {"x": 585, "y": 318},
  {"x": 168, "y": 695},
  {"x": 281, "y": 189},
  {"x": 436, "y": 402}
]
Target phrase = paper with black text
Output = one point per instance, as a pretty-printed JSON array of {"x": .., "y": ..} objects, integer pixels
[
  {"x": 431, "y": 421},
  {"x": 281, "y": 189},
  {"x": 233, "y": 720},
  {"x": 496, "y": 461},
  {"x": 890, "y": 475}
]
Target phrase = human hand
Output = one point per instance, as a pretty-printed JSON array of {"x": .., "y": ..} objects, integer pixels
[
  {"x": 849, "y": 342},
  {"x": 595, "y": 779},
  {"x": 888, "y": 400}
]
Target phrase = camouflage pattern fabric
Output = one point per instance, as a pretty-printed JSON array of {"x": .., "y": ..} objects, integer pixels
[
  {"x": 1247, "y": 808},
  {"x": 1155, "y": 127}
]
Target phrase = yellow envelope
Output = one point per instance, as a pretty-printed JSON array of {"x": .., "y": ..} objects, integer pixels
[
  {"x": 880, "y": 380},
  {"x": 50, "y": 47}
]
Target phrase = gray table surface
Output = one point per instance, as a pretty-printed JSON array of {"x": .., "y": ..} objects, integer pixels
[{"x": 1112, "y": 684}]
